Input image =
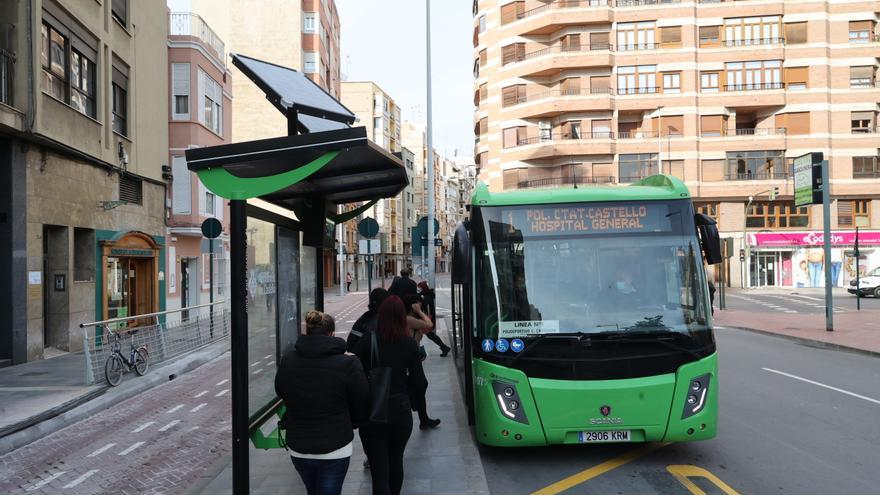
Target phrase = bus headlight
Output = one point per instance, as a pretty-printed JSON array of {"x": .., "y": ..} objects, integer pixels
[
  {"x": 698, "y": 393},
  {"x": 509, "y": 402}
]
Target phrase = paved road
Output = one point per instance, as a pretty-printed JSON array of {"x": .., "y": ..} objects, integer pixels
[
  {"x": 794, "y": 301},
  {"x": 778, "y": 433}
]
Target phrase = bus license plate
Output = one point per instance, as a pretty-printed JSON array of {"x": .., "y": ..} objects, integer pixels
[{"x": 605, "y": 436}]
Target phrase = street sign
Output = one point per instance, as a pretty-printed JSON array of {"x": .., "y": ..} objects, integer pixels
[
  {"x": 368, "y": 227},
  {"x": 808, "y": 179},
  {"x": 211, "y": 228},
  {"x": 370, "y": 247},
  {"x": 423, "y": 226},
  {"x": 438, "y": 242}
]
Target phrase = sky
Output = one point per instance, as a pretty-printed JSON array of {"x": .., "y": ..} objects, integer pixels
[{"x": 384, "y": 41}]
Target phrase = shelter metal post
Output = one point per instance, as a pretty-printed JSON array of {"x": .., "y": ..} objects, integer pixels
[{"x": 239, "y": 343}]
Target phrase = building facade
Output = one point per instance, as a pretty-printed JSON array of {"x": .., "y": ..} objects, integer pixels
[
  {"x": 721, "y": 94},
  {"x": 82, "y": 197},
  {"x": 200, "y": 114}
]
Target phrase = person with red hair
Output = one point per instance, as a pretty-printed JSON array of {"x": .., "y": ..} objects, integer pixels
[{"x": 384, "y": 443}]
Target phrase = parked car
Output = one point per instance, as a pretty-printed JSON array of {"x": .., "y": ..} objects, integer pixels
[{"x": 869, "y": 284}]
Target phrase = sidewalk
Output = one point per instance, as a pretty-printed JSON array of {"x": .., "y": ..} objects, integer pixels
[{"x": 440, "y": 461}]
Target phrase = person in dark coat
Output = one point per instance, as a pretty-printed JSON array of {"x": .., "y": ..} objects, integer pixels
[
  {"x": 712, "y": 295},
  {"x": 403, "y": 286},
  {"x": 429, "y": 305},
  {"x": 367, "y": 321},
  {"x": 384, "y": 443},
  {"x": 326, "y": 396}
]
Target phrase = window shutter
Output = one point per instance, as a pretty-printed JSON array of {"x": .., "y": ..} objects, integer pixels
[
  {"x": 797, "y": 123},
  {"x": 512, "y": 11},
  {"x": 866, "y": 71},
  {"x": 181, "y": 190},
  {"x": 796, "y": 75},
  {"x": 599, "y": 41},
  {"x": 202, "y": 191},
  {"x": 670, "y": 35},
  {"x": 844, "y": 213},
  {"x": 673, "y": 125},
  {"x": 709, "y": 34},
  {"x": 200, "y": 102},
  {"x": 859, "y": 25},
  {"x": 710, "y": 125},
  {"x": 796, "y": 32},
  {"x": 600, "y": 84},
  {"x": 218, "y": 208},
  {"x": 713, "y": 170},
  {"x": 509, "y": 136}
]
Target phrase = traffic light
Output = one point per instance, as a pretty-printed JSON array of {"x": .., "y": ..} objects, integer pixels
[{"x": 774, "y": 192}]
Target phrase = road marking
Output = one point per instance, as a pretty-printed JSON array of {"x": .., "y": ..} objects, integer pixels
[
  {"x": 267, "y": 356},
  {"x": 143, "y": 427},
  {"x": 132, "y": 448},
  {"x": 101, "y": 450},
  {"x": 258, "y": 371},
  {"x": 351, "y": 321},
  {"x": 222, "y": 392},
  {"x": 683, "y": 472},
  {"x": 588, "y": 474},
  {"x": 169, "y": 425},
  {"x": 255, "y": 364},
  {"x": 221, "y": 382},
  {"x": 790, "y": 311},
  {"x": 203, "y": 392},
  {"x": 270, "y": 363},
  {"x": 829, "y": 387},
  {"x": 195, "y": 409},
  {"x": 194, "y": 428},
  {"x": 45, "y": 482},
  {"x": 174, "y": 409},
  {"x": 80, "y": 479}
]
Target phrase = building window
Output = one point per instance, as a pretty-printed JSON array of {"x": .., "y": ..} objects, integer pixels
[
  {"x": 712, "y": 125},
  {"x": 641, "y": 79},
  {"x": 483, "y": 58},
  {"x": 512, "y": 53},
  {"x": 512, "y": 11},
  {"x": 672, "y": 82},
  {"x": 82, "y": 82},
  {"x": 860, "y": 31},
  {"x": 131, "y": 189},
  {"x": 120, "y": 101},
  {"x": 746, "y": 31},
  {"x": 747, "y": 76},
  {"x": 119, "y": 9},
  {"x": 708, "y": 209},
  {"x": 795, "y": 33},
  {"x": 777, "y": 214},
  {"x": 309, "y": 22},
  {"x": 513, "y": 136},
  {"x": 862, "y": 122},
  {"x": 180, "y": 76},
  {"x": 861, "y": 76},
  {"x": 181, "y": 186},
  {"x": 482, "y": 23},
  {"x": 637, "y": 166},
  {"x": 513, "y": 95},
  {"x": 54, "y": 60},
  {"x": 756, "y": 165},
  {"x": 796, "y": 78},
  {"x": 211, "y": 95},
  {"x": 670, "y": 37},
  {"x": 853, "y": 213},
  {"x": 210, "y": 203},
  {"x": 310, "y": 62},
  {"x": 709, "y": 35},
  {"x": 484, "y": 91},
  {"x": 636, "y": 36},
  {"x": 709, "y": 82},
  {"x": 68, "y": 68},
  {"x": 865, "y": 167}
]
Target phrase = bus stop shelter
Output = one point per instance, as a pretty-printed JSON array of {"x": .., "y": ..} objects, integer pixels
[{"x": 284, "y": 195}]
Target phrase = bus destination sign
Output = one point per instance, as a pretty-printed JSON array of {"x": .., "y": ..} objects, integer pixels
[{"x": 586, "y": 219}]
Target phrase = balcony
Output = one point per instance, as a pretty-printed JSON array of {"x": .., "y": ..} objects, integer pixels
[
  {"x": 565, "y": 181},
  {"x": 187, "y": 24},
  {"x": 554, "y": 59},
  {"x": 757, "y": 176},
  {"x": 755, "y": 42},
  {"x": 754, "y": 86},
  {"x": 863, "y": 83},
  {"x": 638, "y": 46},
  {"x": 775, "y": 131},
  {"x": 550, "y": 103},
  {"x": 7, "y": 60},
  {"x": 869, "y": 174},
  {"x": 582, "y": 136},
  {"x": 648, "y": 90},
  {"x": 643, "y": 3},
  {"x": 557, "y": 14},
  {"x": 541, "y": 147},
  {"x": 640, "y": 135}
]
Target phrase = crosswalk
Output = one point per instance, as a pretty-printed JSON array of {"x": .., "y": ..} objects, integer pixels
[{"x": 789, "y": 303}]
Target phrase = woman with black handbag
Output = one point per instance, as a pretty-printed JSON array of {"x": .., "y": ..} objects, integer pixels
[{"x": 391, "y": 358}]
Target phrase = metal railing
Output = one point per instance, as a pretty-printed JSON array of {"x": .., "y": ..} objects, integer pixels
[
  {"x": 648, "y": 90},
  {"x": 638, "y": 3},
  {"x": 636, "y": 134},
  {"x": 872, "y": 38},
  {"x": 558, "y": 49},
  {"x": 7, "y": 59},
  {"x": 757, "y": 176},
  {"x": 637, "y": 46},
  {"x": 555, "y": 93},
  {"x": 864, "y": 83},
  {"x": 869, "y": 174},
  {"x": 562, "y": 181},
  {"x": 772, "y": 131},
  {"x": 189, "y": 24},
  {"x": 562, "y": 4},
  {"x": 754, "y": 86},
  {"x": 585, "y": 136},
  {"x": 170, "y": 334},
  {"x": 755, "y": 42}
]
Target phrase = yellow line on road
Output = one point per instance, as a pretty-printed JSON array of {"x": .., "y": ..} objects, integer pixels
[
  {"x": 588, "y": 474},
  {"x": 684, "y": 471}
]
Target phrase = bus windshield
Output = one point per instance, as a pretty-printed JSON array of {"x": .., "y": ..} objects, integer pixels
[{"x": 589, "y": 269}]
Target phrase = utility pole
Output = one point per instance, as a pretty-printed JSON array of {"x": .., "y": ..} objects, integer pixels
[
  {"x": 340, "y": 227},
  {"x": 745, "y": 242},
  {"x": 430, "y": 138}
]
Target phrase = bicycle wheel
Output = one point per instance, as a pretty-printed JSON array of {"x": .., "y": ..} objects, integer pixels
[
  {"x": 113, "y": 370},
  {"x": 141, "y": 361}
]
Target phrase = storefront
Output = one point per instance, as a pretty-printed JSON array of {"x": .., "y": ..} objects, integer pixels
[
  {"x": 130, "y": 275},
  {"x": 797, "y": 259}
]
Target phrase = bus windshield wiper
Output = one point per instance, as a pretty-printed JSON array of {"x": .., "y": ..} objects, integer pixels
[
  {"x": 660, "y": 336},
  {"x": 541, "y": 337}
]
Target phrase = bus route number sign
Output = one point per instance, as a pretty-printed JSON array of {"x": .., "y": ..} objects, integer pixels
[{"x": 599, "y": 219}]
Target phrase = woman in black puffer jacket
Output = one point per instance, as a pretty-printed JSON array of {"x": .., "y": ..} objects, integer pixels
[{"x": 325, "y": 393}]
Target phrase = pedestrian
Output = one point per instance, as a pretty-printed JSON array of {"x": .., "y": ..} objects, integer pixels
[
  {"x": 367, "y": 321},
  {"x": 403, "y": 286},
  {"x": 384, "y": 443},
  {"x": 429, "y": 299},
  {"x": 419, "y": 324},
  {"x": 326, "y": 394},
  {"x": 712, "y": 295},
  {"x": 348, "y": 282}
]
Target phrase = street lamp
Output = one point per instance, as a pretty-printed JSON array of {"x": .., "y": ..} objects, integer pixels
[{"x": 659, "y": 140}]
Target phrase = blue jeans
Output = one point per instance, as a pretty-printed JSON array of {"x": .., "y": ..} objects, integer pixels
[
  {"x": 835, "y": 271},
  {"x": 815, "y": 274},
  {"x": 322, "y": 476}
]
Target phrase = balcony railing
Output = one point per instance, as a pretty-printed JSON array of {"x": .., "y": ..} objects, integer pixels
[
  {"x": 871, "y": 38},
  {"x": 7, "y": 59},
  {"x": 637, "y": 134},
  {"x": 638, "y": 3},
  {"x": 562, "y": 4},
  {"x": 638, "y": 91},
  {"x": 187, "y": 24},
  {"x": 866, "y": 174},
  {"x": 637, "y": 46},
  {"x": 584, "y": 136},
  {"x": 562, "y": 181},
  {"x": 755, "y": 42},
  {"x": 561, "y": 49},
  {"x": 773, "y": 131},
  {"x": 754, "y": 86},
  {"x": 757, "y": 176},
  {"x": 556, "y": 93},
  {"x": 863, "y": 83}
]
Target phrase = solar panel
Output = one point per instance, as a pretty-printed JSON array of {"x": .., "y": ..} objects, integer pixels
[
  {"x": 290, "y": 89},
  {"x": 317, "y": 124}
]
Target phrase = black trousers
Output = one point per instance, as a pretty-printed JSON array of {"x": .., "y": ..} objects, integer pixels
[
  {"x": 433, "y": 337},
  {"x": 384, "y": 445}
]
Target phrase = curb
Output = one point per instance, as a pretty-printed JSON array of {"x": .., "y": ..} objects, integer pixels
[
  {"x": 80, "y": 408},
  {"x": 803, "y": 340}
]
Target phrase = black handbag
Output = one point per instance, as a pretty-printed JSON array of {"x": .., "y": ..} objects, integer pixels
[{"x": 380, "y": 385}]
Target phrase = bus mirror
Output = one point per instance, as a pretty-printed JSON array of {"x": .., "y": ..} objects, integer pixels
[
  {"x": 710, "y": 241},
  {"x": 461, "y": 254}
]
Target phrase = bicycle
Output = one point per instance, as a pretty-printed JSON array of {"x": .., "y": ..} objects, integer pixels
[{"x": 117, "y": 364}]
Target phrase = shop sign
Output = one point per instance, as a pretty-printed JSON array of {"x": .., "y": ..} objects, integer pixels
[
  {"x": 130, "y": 252},
  {"x": 769, "y": 239}
]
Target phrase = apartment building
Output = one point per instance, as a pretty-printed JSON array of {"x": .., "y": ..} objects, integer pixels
[
  {"x": 82, "y": 194},
  {"x": 721, "y": 94},
  {"x": 199, "y": 114}
]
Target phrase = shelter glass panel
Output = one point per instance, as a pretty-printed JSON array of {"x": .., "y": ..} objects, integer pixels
[{"x": 262, "y": 316}]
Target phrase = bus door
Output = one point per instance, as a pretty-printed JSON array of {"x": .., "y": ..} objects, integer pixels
[{"x": 462, "y": 330}]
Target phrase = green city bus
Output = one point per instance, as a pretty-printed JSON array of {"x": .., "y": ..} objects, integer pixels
[{"x": 582, "y": 315}]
